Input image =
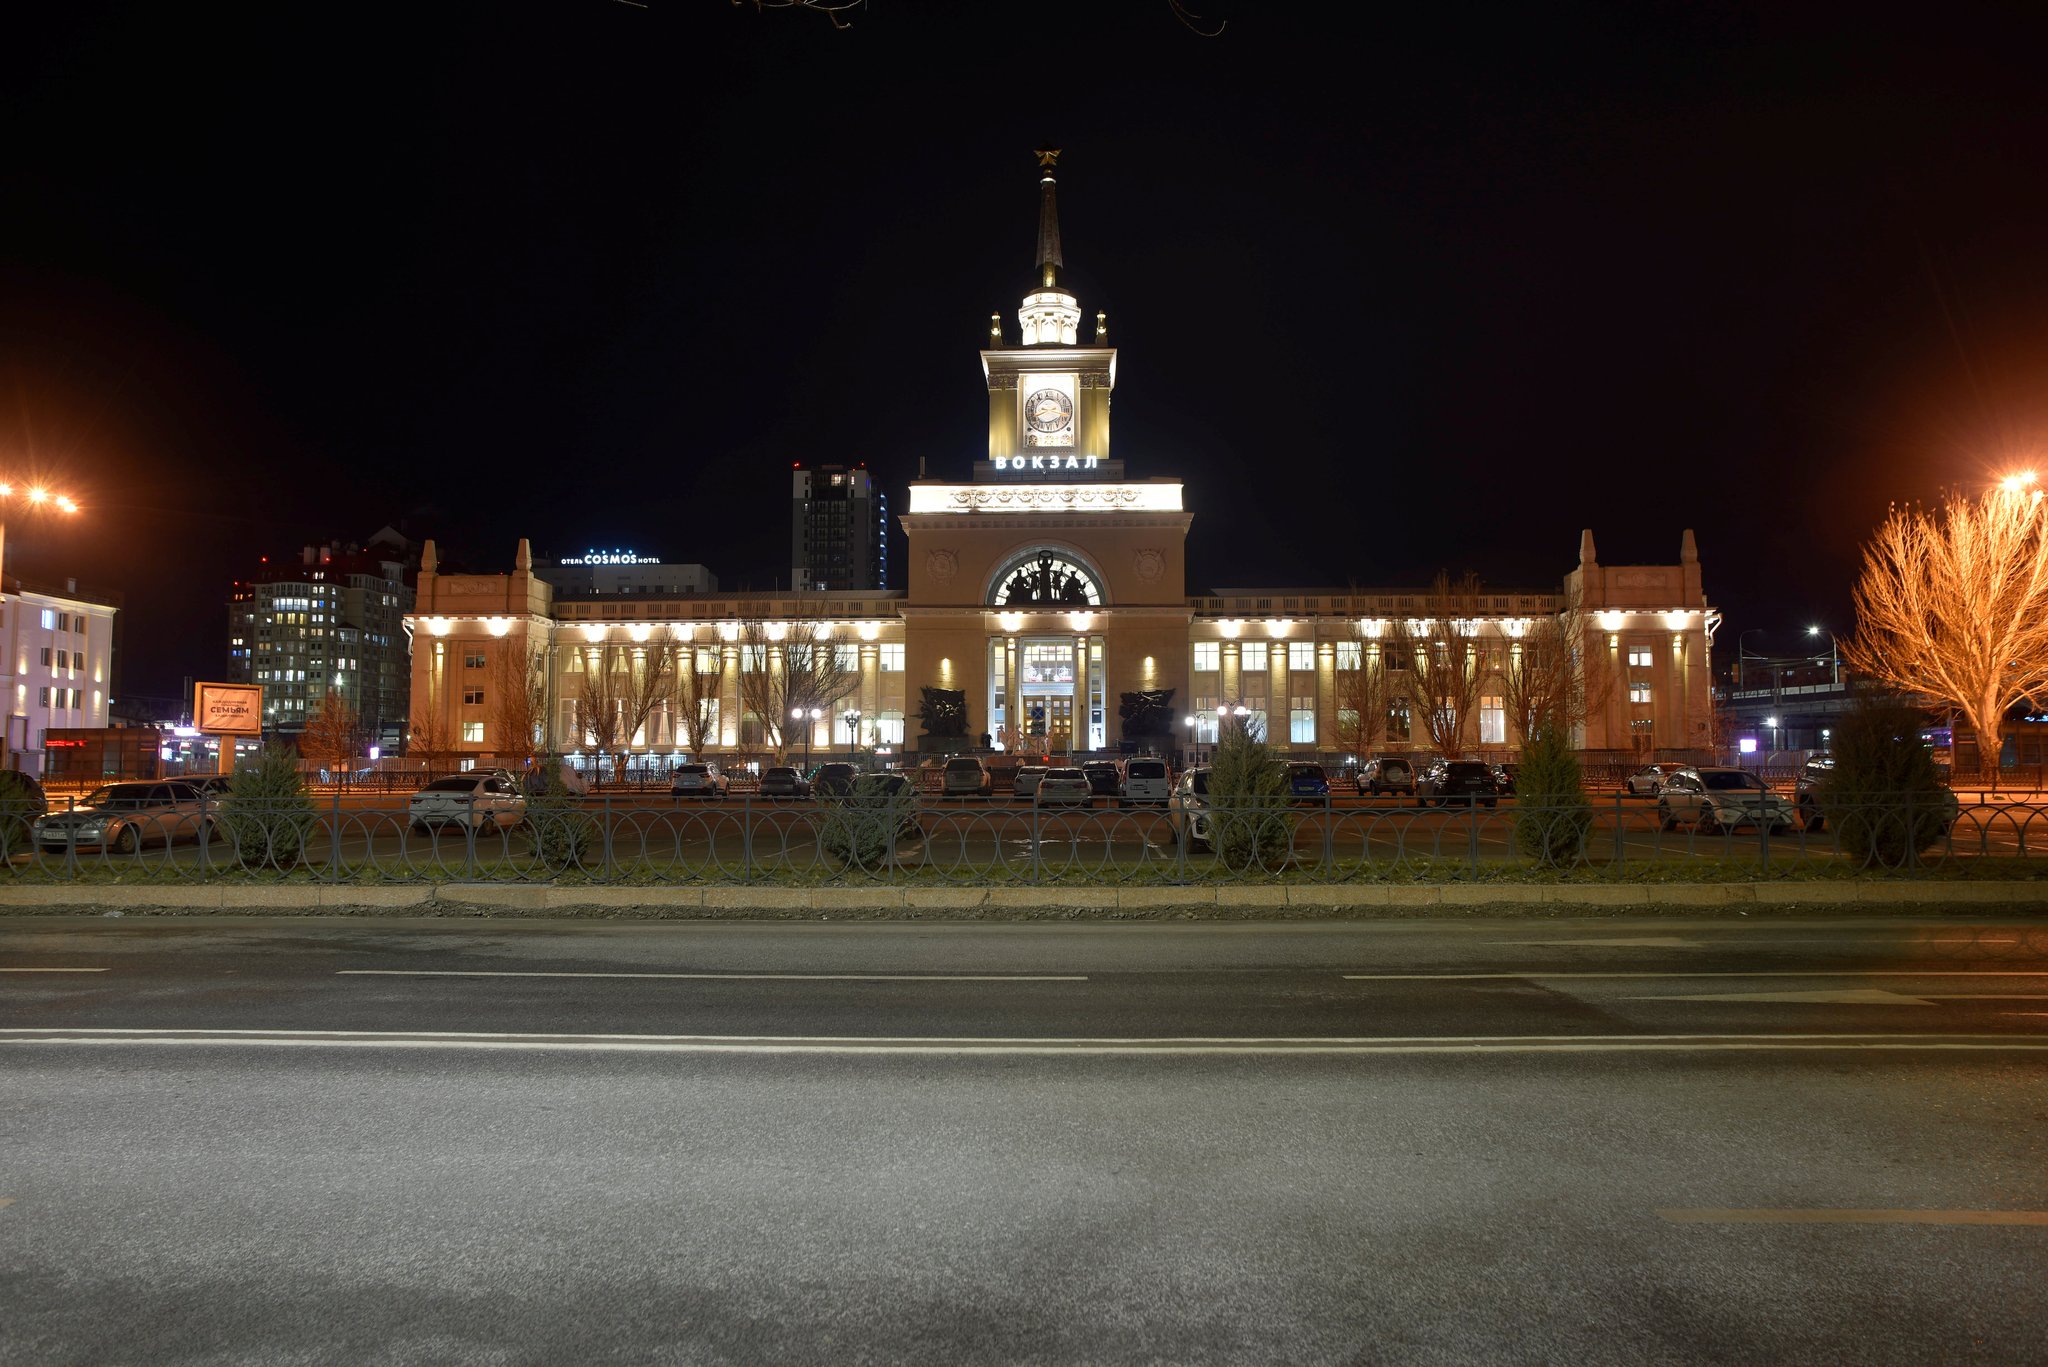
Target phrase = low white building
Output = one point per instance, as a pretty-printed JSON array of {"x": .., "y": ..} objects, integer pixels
[{"x": 59, "y": 662}]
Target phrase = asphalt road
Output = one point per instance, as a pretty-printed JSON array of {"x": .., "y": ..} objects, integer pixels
[{"x": 1522, "y": 1140}]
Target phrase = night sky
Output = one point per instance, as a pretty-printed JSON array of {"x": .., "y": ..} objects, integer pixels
[{"x": 1391, "y": 294}]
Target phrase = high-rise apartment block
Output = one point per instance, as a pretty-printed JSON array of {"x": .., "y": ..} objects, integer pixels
[
  {"x": 838, "y": 530},
  {"x": 333, "y": 618}
]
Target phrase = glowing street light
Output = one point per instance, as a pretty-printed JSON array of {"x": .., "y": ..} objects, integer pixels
[
  {"x": 37, "y": 496},
  {"x": 1834, "y": 654},
  {"x": 812, "y": 714},
  {"x": 2019, "y": 480}
]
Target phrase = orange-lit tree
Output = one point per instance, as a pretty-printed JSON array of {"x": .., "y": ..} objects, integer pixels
[{"x": 1953, "y": 603}]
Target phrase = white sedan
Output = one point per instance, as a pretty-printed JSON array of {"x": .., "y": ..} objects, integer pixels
[
  {"x": 1064, "y": 785},
  {"x": 485, "y": 801},
  {"x": 1648, "y": 781}
]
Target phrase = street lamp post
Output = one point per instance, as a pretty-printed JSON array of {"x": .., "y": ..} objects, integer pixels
[
  {"x": 1194, "y": 725},
  {"x": 38, "y": 499},
  {"x": 1741, "y": 670},
  {"x": 852, "y": 719},
  {"x": 1834, "y": 655},
  {"x": 810, "y": 720}
]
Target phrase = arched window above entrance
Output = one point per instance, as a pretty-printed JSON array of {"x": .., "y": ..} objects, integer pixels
[{"x": 1046, "y": 578}]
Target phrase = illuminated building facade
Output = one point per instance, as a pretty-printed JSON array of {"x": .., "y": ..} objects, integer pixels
[
  {"x": 333, "y": 619},
  {"x": 59, "y": 648},
  {"x": 1049, "y": 590}
]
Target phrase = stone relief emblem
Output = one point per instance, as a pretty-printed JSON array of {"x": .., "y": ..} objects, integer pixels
[
  {"x": 942, "y": 565},
  {"x": 1149, "y": 564}
]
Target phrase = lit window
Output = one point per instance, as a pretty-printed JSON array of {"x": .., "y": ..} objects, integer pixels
[
  {"x": 1493, "y": 721},
  {"x": 1350, "y": 655},
  {"x": 473, "y": 732},
  {"x": 1640, "y": 659},
  {"x": 1301, "y": 720},
  {"x": 49, "y": 619},
  {"x": 707, "y": 660},
  {"x": 846, "y": 659},
  {"x": 1638, "y": 692},
  {"x": 1301, "y": 656},
  {"x": 889, "y": 726},
  {"x": 753, "y": 659},
  {"x": 1252, "y": 655},
  {"x": 1208, "y": 656},
  {"x": 890, "y": 658}
]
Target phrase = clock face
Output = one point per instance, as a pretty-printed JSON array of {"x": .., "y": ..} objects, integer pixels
[{"x": 1048, "y": 411}]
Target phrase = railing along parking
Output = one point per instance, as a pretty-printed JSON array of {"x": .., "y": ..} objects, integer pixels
[{"x": 911, "y": 837}]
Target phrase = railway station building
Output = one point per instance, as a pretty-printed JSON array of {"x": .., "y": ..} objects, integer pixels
[{"x": 1047, "y": 610}]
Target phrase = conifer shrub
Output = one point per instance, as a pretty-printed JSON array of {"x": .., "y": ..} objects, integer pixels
[
  {"x": 1552, "y": 814},
  {"x": 858, "y": 825},
  {"x": 563, "y": 834},
  {"x": 267, "y": 812},
  {"x": 1251, "y": 813},
  {"x": 21, "y": 802},
  {"x": 1884, "y": 797}
]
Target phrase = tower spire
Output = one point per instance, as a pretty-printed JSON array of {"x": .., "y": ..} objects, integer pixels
[
  {"x": 1051, "y": 315},
  {"x": 1049, "y": 262}
]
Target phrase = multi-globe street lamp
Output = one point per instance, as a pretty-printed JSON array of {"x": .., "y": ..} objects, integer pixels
[
  {"x": 37, "y": 498},
  {"x": 810, "y": 717},
  {"x": 852, "y": 719}
]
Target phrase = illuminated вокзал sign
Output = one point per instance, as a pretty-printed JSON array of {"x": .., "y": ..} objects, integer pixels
[
  {"x": 609, "y": 558},
  {"x": 1046, "y": 462}
]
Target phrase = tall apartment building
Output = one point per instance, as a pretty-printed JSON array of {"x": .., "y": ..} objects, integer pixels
[
  {"x": 838, "y": 530},
  {"x": 331, "y": 618},
  {"x": 57, "y": 654}
]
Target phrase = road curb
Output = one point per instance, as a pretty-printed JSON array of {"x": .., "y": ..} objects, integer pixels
[{"x": 1197, "y": 902}]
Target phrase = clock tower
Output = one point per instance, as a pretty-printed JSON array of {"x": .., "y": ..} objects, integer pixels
[{"x": 1048, "y": 396}]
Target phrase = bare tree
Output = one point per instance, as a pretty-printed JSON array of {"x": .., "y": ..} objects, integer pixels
[
  {"x": 519, "y": 701},
  {"x": 620, "y": 684},
  {"x": 790, "y": 666},
  {"x": 1363, "y": 695},
  {"x": 334, "y": 733},
  {"x": 693, "y": 703},
  {"x": 1443, "y": 652},
  {"x": 1549, "y": 678},
  {"x": 429, "y": 737},
  {"x": 1954, "y": 603}
]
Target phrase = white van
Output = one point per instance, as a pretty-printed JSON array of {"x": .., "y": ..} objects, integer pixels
[{"x": 1146, "y": 781}]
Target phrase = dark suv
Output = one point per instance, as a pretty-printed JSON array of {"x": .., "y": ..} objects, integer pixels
[{"x": 1455, "y": 780}]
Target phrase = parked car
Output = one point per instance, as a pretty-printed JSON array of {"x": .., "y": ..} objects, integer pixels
[
  {"x": 1717, "y": 799},
  {"x": 1103, "y": 778},
  {"x": 1387, "y": 774},
  {"x": 1811, "y": 813},
  {"x": 782, "y": 780},
  {"x": 834, "y": 779},
  {"x": 1026, "y": 782},
  {"x": 1147, "y": 781},
  {"x": 212, "y": 787},
  {"x": 1504, "y": 777},
  {"x": 126, "y": 817},
  {"x": 1648, "y": 781},
  {"x": 1189, "y": 808},
  {"x": 1457, "y": 780},
  {"x": 1063, "y": 785},
  {"x": 965, "y": 776},
  {"x": 697, "y": 780},
  {"x": 1307, "y": 782},
  {"x": 484, "y": 800}
]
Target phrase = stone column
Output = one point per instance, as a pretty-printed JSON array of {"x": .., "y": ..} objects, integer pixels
[{"x": 1077, "y": 725}]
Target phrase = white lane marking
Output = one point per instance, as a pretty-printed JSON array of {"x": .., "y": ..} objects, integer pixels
[
  {"x": 1709, "y": 973},
  {"x": 745, "y": 977},
  {"x": 1643, "y": 942},
  {"x": 52, "y": 970},
  {"x": 979, "y": 1045},
  {"x": 1831, "y": 1216},
  {"x": 1848, "y": 996}
]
